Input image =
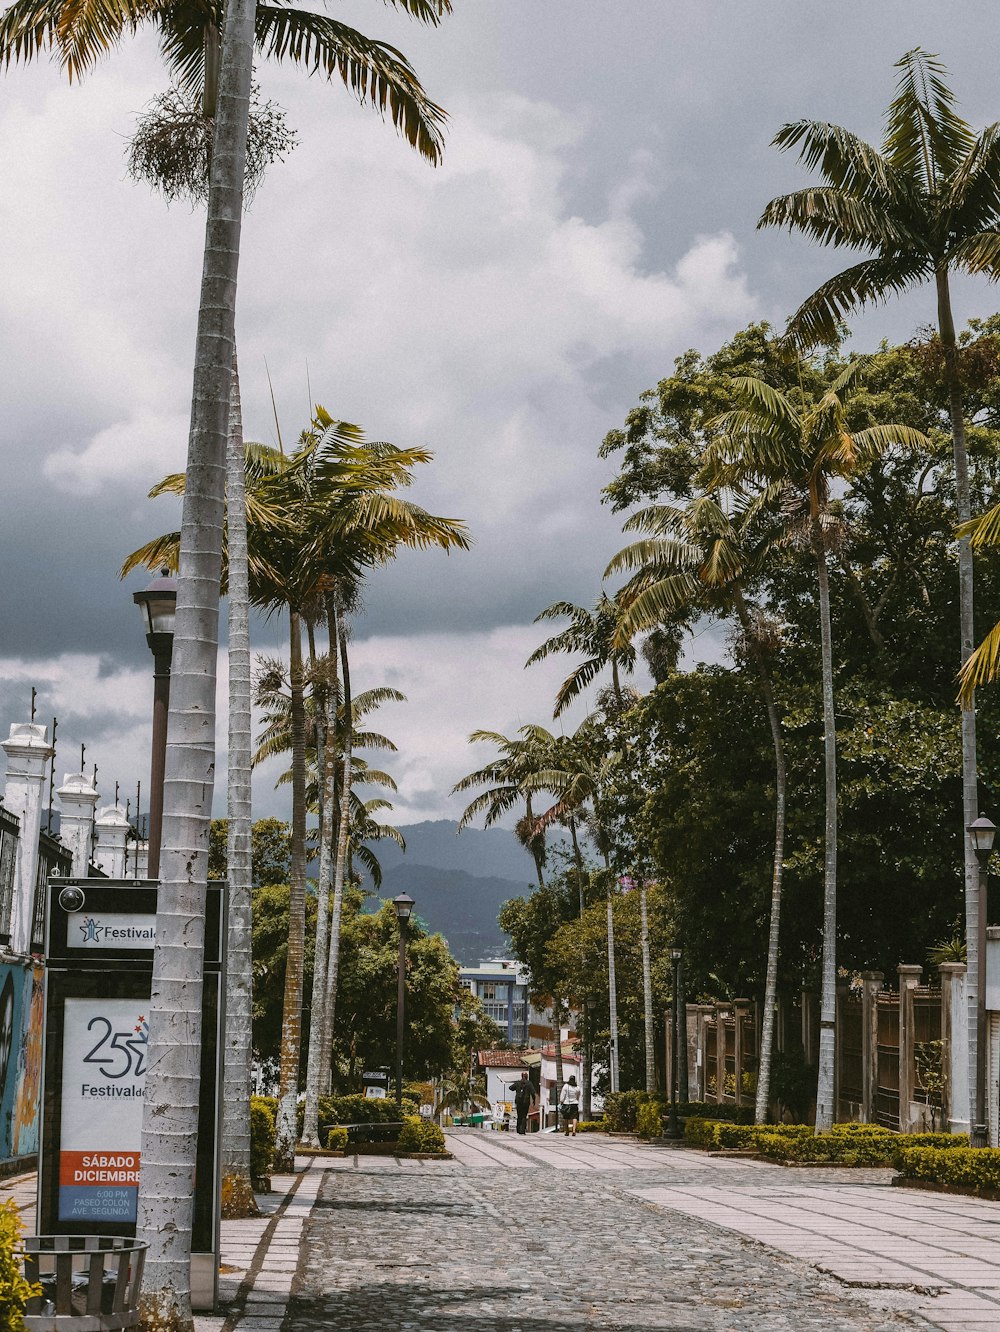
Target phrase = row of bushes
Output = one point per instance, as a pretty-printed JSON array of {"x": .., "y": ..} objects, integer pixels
[
  {"x": 969, "y": 1168},
  {"x": 845, "y": 1144},
  {"x": 621, "y": 1110}
]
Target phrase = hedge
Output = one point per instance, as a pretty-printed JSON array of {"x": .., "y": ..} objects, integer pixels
[
  {"x": 621, "y": 1109},
  {"x": 15, "y": 1291},
  {"x": 972, "y": 1168},
  {"x": 261, "y": 1136},
  {"x": 592, "y": 1126},
  {"x": 846, "y": 1144},
  {"x": 336, "y": 1138},
  {"x": 648, "y": 1123},
  {"x": 420, "y": 1135}
]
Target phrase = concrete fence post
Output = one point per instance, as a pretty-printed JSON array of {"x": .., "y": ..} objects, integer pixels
[
  {"x": 77, "y": 801},
  {"x": 871, "y": 984},
  {"x": 909, "y": 979},
  {"x": 28, "y": 751},
  {"x": 954, "y": 1028},
  {"x": 111, "y": 826},
  {"x": 741, "y": 1007}
]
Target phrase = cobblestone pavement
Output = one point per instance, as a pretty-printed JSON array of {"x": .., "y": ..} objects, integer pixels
[{"x": 549, "y": 1235}]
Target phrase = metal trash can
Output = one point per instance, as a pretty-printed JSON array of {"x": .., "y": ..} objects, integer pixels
[{"x": 90, "y": 1283}]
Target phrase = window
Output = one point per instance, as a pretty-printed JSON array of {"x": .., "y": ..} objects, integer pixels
[{"x": 488, "y": 990}]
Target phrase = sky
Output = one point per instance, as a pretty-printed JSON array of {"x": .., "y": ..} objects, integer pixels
[{"x": 594, "y": 217}]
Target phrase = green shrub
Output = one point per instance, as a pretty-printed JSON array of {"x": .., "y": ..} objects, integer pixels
[
  {"x": 420, "y": 1135},
  {"x": 846, "y": 1144},
  {"x": 972, "y": 1168},
  {"x": 336, "y": 1139},
  {"x": 15, "y": 1291},
  {"x": 261, "y": 1136},
  {"x": 592, "y": 1126},
  {"x": 648, "y": 1123},
  {"x": 621, "y": 1109},
  {"x": 715, "y": 1135}
]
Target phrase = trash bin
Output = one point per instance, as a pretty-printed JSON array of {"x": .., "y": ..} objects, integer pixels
[{"x": 90, "y": 1283}]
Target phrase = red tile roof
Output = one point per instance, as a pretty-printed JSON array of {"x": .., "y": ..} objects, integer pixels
[{"x": 500, "y": 1059}]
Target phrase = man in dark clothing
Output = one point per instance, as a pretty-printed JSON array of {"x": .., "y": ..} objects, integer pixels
[{"x": 524, "y": 1094}]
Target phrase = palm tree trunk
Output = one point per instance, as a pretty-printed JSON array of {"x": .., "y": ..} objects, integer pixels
[
  {"x": 771, "y": 979},
  {"x": 172, "y": 1093},
  {"x": 237, "y": 1188},
  {"x": 286, "y": 1129},
  {"x": 970, "y": 794},
  {"x": 326, "y": 764},
  {"x": 825, "y": 1109},
  {"x": 647, "y": 991},
  {"x": 612, "y": 987},
  {"x": 343, "y": 835},
  {"x": 586, "y": 1074}
]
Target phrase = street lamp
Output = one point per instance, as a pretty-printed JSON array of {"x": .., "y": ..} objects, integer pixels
[
  {"x": 673, "y": 1129},
  {"x": 982, "y": 832},
  {"x": 157, "y": 605},
  {"x": 404, "y": 910}
]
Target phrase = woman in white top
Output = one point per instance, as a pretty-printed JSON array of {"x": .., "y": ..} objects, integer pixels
[{"x": 569, "y": 1106}]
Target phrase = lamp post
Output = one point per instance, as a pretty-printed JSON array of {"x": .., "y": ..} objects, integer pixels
[
  {"x": 157, "y": 604},
  {"x": 673, "y": 1129},
  {"x": 982, "y": 832},
  {"x": 404, "y": 909}
]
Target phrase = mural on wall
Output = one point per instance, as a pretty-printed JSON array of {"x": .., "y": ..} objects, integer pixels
[{"x": 21, "y": 1028}]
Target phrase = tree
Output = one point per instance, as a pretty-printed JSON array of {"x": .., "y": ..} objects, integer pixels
[
  {"x": 597, "y": 636},
  {"x": 794, "y": 454},
  {"x": 924, "y": 205}
]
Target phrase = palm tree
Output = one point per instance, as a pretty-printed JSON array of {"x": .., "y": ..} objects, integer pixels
[
  {"x": 701, "y": 558},
  {"x": 926, "y": 204},
  {"x": 322, "y": 514},
  {"x": 797, "y": 453},
  {"x": 593, "y": 634}
]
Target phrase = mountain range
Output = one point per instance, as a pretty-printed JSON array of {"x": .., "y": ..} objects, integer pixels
[{"x": 458, "y": 881}]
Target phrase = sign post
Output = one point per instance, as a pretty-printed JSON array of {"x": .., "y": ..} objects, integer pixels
[{"x": 101, "y": 934}]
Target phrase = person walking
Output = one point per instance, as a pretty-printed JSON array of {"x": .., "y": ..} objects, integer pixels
[
  {"x": 569, "y": 1106},
  {"x": 524, "y": 1094}
]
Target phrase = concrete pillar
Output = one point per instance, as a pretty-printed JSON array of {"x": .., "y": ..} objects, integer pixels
[
  {"x": 691, "y": 1037},
  {"x": 111, "y": 826},
  {"x": 909, "y": 979},
  {"x": 871, "y": 984},
  {"x": 77, "y": 801},
  {"x": 138, "y": 856},
  {"x": 740, "y": 1009},
  {"x": 954, "y": 1027},
  {"x": 721, "y": 1013},
  {"x": 28, "y": 751}
]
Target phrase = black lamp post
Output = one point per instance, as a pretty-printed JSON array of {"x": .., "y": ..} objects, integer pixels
[
  {"x": 404, "y": 909},
  {"x": 982, "y": 832},
  {"x": 157, "y": 605},
  {"x": 673, "y": 1128}
]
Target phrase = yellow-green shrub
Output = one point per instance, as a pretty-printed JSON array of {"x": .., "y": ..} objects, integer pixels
[
  {"x": 972, "y": 1168},
  {"x": 647, "y": 1120},
  {"x": 420, "y": 1135},
  {"x": 336, "y": 1138},
  {"x": 261, "y": 1136},
  {"x": 15, "y": 1291},
  {"x": 592, "y": 1126}
]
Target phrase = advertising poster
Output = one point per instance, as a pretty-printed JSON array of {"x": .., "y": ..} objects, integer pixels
[
  {"x": 103, "y": 1076},
  {"x": 21, "y": 1012}
]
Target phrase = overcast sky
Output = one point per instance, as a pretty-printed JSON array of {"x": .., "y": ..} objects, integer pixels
[{"x": 593, "y": 219}]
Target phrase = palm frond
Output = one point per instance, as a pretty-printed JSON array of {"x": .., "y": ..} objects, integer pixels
[
  {"x": 925, "y": 138},
  {"x": 871, "y": 282},
  {"x": 163, "y": 552},
  {"x": 983, "y": 531},
  {"x": 982, "y": 667},
  {"x": 373, "y": 72}
]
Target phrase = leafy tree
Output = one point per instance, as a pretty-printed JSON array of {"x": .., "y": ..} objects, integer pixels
[{"x": 271, "y": 851}]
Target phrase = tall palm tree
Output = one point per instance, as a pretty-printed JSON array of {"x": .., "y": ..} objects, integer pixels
[
  {"x": 703, "y": 558},
  {"x": 923, "y": 205},
  {"x": 771, "y": 444},
  {"x": 595, "y": 636}
]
